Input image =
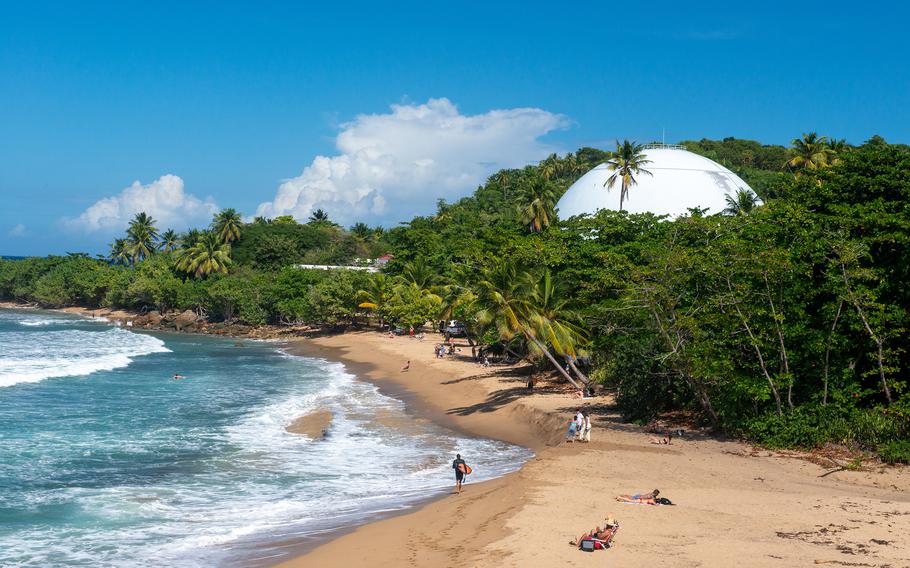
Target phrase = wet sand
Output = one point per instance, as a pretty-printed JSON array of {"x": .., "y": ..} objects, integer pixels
[{"x": 314, "y": 425}]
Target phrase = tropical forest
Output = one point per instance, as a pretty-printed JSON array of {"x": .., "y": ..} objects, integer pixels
[{"x": 782, "y": 320}]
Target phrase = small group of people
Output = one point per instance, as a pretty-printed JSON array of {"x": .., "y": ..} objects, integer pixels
[
  {"x": 443, "y": 349},
  {"x": 579, "y": 427}
]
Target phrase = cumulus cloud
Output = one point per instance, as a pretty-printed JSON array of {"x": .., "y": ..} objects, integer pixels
[
  {"x": 164, "y": 199},
  {"x": 394, "y": 165},
  {"x": 18, "y": 231}
]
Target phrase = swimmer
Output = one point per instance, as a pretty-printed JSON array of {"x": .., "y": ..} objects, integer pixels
[{"x": 177, "y": 377}]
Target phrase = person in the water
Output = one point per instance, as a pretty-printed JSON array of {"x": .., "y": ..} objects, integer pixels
[{"x": 177, "y": 377}]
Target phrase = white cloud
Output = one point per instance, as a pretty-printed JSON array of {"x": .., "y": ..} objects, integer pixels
[
  {"x": 392, "y": 166},
  {"x": 164, "y": 199},
  {"x": 18, "y": 231}
]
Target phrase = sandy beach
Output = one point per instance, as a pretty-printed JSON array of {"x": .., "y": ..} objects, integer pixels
[{"x": 735, "y": 505}]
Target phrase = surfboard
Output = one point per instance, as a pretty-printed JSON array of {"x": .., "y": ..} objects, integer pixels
[{"x": 465, "y": 469}]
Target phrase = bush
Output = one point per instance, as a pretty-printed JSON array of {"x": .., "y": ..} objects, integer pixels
[
  {"x": 813, "y": 426},
  {"x": 895, "y": 451}
]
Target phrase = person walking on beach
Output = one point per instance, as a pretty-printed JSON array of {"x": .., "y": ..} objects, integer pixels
[
  {"x": 460, "y": 468},
  {"x": 406, "y": 368},
  {"x": 586, "y": 428},
  {"x": 573, "y": 431},
  {"x": 579, "y": 423}
]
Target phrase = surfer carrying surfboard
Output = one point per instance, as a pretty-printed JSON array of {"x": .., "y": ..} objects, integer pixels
[{"x": 461, "y": 470}]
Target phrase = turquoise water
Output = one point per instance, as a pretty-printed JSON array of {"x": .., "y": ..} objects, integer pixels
[{"x": 107, "y": 461}]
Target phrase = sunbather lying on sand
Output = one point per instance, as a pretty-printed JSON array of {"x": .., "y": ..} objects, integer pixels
[
  {"x": 603, "y": 535},
  {"x": 667, "y": 439},
  {"x": 643, "y": 498}
]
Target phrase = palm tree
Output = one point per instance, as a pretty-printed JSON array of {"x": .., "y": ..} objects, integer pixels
[
  {"x": 226, "y": 224},
  {"x": 379, "y": 291},
  {"x": 189, "y": 239},
  {"x": 838, "y": 146},
  {"x": 207, "y": 256},
  {"x": 419, "y": 273},
  {"x": 320, "y": 218},
  {"x": 555, "y": 322},
  {"x": 120, "y": 252},
  {"x": 506, "y": 304},
  {"x": 503, "y": 179},
  {"x": 742, "y": 203},
  {"x": 549, "y": 168},
  {"x": 539, "y": 212},
  {"x": 572, "y": 166},
  {"x": 809, "y": 153},
  {"x": 169, "y": 241},
  {"x": 142, "y": 236},
  {"x": 361, "y": 231},
  {"x": 626, "y": 163}
]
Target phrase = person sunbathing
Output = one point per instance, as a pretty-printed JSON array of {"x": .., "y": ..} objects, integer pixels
[
  {"x": 666, "y": 439},
  {"x": 603, "y": 535},
  {"x": 642, "y": 498}
]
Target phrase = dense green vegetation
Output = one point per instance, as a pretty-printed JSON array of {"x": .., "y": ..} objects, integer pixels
[{"x": 784, "y": 319}]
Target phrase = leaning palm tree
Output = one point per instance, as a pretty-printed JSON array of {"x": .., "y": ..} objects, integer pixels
[
  {"x": 555, "y": 322},
  {"x": 506, "y": 304},
  {"x": 226, "y": 224},
  {"x": 209, "y": 255},
  {"x": 142, "y": 236},
  {"x": 626, "y": 163},
  {"x": 809, "y": 153},
  {"x": 169, "y": 241},
  {"x": 120, "y": 252},
  {"x": 742, "y": 203},
  {"x": 539, "y": 212}
]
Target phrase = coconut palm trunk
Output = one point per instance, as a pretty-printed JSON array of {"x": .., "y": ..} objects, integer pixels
[
  {"x": 543, "y": 349},
  {"x": 584, "y": 378}
]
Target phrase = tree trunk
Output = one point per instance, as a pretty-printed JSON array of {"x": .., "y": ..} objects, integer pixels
[
  {"x": 546, "y": 352},
  {"x": 697, "y": 386},
  {"x": 784, "y": 360},
  {"x": 584, "y": 378},
  {"x": 761, "y": 359},
  {"x": 880, "y": 355},
  {"x": 840, "y": 307}
]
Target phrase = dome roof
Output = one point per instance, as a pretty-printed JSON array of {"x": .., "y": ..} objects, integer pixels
[{"x": 680, "y": 180}]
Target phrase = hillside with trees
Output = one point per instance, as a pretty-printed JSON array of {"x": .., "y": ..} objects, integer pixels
[{"x": 783, "y": 319}]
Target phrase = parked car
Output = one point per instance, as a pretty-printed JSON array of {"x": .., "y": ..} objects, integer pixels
[{"x": 456, "y": 328}]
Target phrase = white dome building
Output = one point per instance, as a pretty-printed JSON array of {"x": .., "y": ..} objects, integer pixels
[{"x": 680, "y": 180}]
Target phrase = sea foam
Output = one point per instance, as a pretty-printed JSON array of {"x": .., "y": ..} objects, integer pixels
[{"x": 29, "y": 357}]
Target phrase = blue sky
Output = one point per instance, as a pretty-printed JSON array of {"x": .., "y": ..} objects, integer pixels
[{"x": 278, "y": 107}]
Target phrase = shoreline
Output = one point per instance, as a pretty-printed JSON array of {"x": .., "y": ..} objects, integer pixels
[
  {"x": 734, "y": 501},
  {"x": 419, "y": 389}
]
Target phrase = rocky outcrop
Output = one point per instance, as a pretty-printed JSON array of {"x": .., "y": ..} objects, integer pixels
[{"x": 186, "y": 320}]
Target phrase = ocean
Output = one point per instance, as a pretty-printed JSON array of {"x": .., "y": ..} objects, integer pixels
[{"x": 107, "y": 461}]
